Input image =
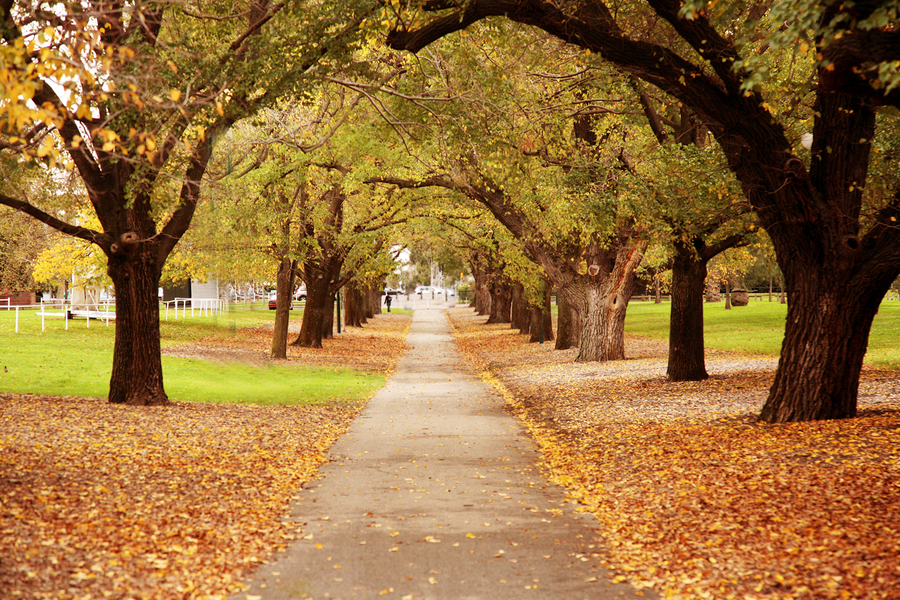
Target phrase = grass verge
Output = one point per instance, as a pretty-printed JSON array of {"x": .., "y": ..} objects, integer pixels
[
  {"x": 78, "y": 361},
  {"x": 758, "y": 328}
]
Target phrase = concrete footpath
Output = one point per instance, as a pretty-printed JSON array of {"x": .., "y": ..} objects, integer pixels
[{"x": 435, "y": 493}]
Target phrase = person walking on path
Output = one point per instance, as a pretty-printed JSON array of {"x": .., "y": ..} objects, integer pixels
[
  {"x": 387, "y": 301},
  {"x": 435, "y": 493}
]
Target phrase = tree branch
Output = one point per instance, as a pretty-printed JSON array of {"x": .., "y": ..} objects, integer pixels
[{"x": 101, "y": 239}]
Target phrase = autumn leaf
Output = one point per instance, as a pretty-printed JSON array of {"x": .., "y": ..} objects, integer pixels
[
  {"x": 102, "y": 500},
  {"x": 693, "y": 496}
]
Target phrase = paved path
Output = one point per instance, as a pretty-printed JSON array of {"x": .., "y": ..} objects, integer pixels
[{"x": 434, "y": 493}]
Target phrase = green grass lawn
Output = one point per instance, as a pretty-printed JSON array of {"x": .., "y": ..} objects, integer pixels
[
  {"x": 759, "y": 328},
  {"x": 77, "y": 362}
]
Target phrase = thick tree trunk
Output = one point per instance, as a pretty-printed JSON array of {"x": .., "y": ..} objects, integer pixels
[
  {"x": 501, "y": 304},
  {"x": 374, "y": 297},
  {"x": 354, "y": 315},
  {"x": 482, "y": 299},
  {"x": 542, "y": 320},
  {"x": 603, "y": 330},
  {"x": 687, "y": 361},
  {"x": 137, "y": 376},
  {"x": 605, "y": 303},
  {"x": 315, "y": 315},
  {"x": 825, "y": 340},
  {"x": 568, "y": 324},
  {"x": 837, "y": 327},
  {"x": 520, "y": 312},
  {"x": 285, "y": 298}
]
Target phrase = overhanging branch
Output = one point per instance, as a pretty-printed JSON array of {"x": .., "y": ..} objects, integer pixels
[{"x": 101, "y": 239}]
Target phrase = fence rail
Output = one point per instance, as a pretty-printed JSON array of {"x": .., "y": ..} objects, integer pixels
[{"x": 58, "y": 308}]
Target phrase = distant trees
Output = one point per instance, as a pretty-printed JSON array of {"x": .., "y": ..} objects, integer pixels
[{"x": 835, "y": 235}]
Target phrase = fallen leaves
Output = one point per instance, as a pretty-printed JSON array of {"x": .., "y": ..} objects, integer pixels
[
  {"x": 107, "y": 501},
  {"x": 375, "y": 348},
  {"x": 694, "y": 497},
  {"x": 102, "y": 500}
]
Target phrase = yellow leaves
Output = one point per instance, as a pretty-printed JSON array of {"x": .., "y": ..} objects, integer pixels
[
  {"x": 692, "y": 496},
  {"x": 175, "y": 95},
  {"x": 120, "y": 501}
]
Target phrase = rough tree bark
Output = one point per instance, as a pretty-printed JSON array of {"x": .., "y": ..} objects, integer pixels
[
  {"x": 501, "y": 303},
  {"x": 314, "y": 316},
  {"x": 482, "y": 298},
  {"x": 137, "y": 376},
  {"x": 687, "y": 360},
  {"x": 603, "y": 299},
  {"x": 354, "y": 309}
]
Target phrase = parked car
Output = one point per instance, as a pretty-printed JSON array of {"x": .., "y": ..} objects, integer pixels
[
  {"x": 392, "y": 292},
  {"x": 299, "y": 296}
]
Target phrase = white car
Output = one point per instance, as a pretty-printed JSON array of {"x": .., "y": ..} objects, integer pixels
[{"x": 428, "y": 289}]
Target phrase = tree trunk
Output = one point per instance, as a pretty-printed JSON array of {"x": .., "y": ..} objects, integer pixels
[
  {"x": 520, "y": 311},
  {"x": 825, "y": 340},
  {"x": 687, "y": 361},
  {"x": 605, "y": 301},
  {"x": 602, "y": 334},
  {"x": 727, "y": 295},
  {"x": 285, "y": 298},
  {"x": 658, "y": 297},
  {"x": 329, "y": 318},
  {"x": 374, "y": 297},
  {"x": 501, "y": 304},
  {"x": 353, "y": 306},
  {"x": 568, "y": 325},
  {"x": 137, "y": 376},
  {"x": 482, "y": 299},
  {"x": 315, "y": 315},
  {"x": 542, "y": 319}
]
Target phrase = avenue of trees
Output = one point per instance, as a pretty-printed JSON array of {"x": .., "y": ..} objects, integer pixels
[
  {"x": 551, "y": 144},
  {"x": 750, "y": 73}
]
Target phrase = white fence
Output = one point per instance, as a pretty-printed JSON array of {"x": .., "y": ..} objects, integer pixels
[
  {"x": 210, "y": 305},
  {"x": 106, "y": 311}
]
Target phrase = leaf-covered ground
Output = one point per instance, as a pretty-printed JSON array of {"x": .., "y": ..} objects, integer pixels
[
  {"x": 376, "y": 347},
  {"x": 102, "y": 501},
  {"x": 693, "y": 496}
]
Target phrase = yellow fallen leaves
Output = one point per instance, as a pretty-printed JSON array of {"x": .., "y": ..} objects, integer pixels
[
  {"x": 375, "y": 348},
  {"x": 694, "y": 497},
  {"x": 102, "y": 501}
]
